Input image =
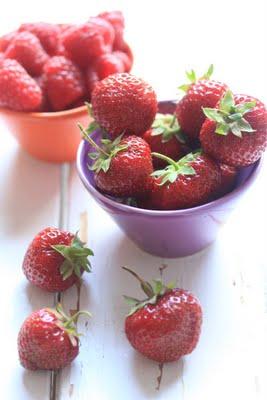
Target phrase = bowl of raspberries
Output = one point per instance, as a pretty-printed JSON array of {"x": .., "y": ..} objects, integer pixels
[
  {"x": 170, "y": 172},
  {"x": 48, "y": 72}
]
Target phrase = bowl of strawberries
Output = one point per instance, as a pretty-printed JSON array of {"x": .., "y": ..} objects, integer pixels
[
  {"x": 47, "y": 73},
  {"x": 170, "y": 173}
]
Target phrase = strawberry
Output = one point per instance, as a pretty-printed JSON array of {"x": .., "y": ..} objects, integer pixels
[
  {"x": 228, "y": 179},
  {"x": 235, "y": 132},
  {"x": 85, "y": 42},
  {"x": 199, "y": 93},
  {"x": 165, "y": 325},
  {"x": 48, "y": 339},
  {"x": 55, "y": 260},
  {"x": 165, "y": 137},
  {"x": 116, "y": 19},
  {"x": 18, "y": 91},
  {"x": 109, "y": 64},
  {"x": 122, "y": 103},
  {"x": 5, "y": 40},
  {"x": 48, "y": 34},
  {"x": 28, "y": 51},
  {"x": 189, "y": 182},
  {"x": 64, "y": 82},
  {"x": 122, "y": 167}
]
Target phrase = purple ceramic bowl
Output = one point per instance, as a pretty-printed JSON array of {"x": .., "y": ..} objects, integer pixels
[{"x": 168, "y": 234}]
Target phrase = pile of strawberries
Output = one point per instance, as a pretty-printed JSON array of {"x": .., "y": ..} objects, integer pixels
[
  {"x": 178, "y": 160},
  {"x": 163, "y": 326},
  {"x": 52, "y": 67}
]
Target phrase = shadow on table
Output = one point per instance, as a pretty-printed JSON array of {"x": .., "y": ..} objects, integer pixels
[
  {"x": 36, "y": 384},
  {"x": 30, "y": 185}
]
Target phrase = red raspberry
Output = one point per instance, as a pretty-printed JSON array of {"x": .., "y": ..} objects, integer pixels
[
  {"x": 116, "y": 19},
  {"x": 48, "y": 34},
  {"x": 122, "y": 46},
  {"x": 41, "y": 82},
  {"x": 64, "y": 82},
  {"x": 6, "y": 40},
  {"x": 109, "y": 64},
  {"x": 28, "y": 51},
  {"x": 85, "y": 42},
  {"x": 106, "y": 28},
  {"x": 18, "y": 90},
  {"x": 124, "y": 57},
  {"x": 91, "y": 78}
]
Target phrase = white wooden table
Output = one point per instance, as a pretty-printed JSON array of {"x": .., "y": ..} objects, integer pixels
[{"x": 228, "y": 277}]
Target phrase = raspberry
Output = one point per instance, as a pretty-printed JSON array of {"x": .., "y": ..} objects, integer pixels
[
  {"x": 116, "y": 19},
  {"x": 18, "y": 90},
  {"x": 109, "y": 64},
  {"x": 48, "y": 34},
  {"x": 126, "y": 60},
  {"x": 106, "y": 29},
  {"x": 64, "y": 82},
  {"x": 85, "y": 42},
  {"x": 6, "y": 40},
  {"x": 41, "y": 82},
  {"x": 91, "y": 78},
  {"x": 28, "y": 51}
]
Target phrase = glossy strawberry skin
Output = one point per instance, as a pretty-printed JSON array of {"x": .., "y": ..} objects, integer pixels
[
  {"x": 232, "y": 150},
  {"x": 42, "y": 263},
  {"x": 48, "y": 34},
  {"x": 85, "y": 42},
  {"x": 203, "y": 93},
  {"x": 228, "y": 179},
  {"x": 188, "y": 190},
  {"x": 169, "y": 329},
  {"x": 28, "y": 51},
  {"x": 129, "y": 172},
  {"x": 44, "y": 345},
  {"x": 18, "y": 91},
  {"x": 172, "y": 148},
  {"x": 123, "y": 103},
  {"x": 64, "y": 82}
]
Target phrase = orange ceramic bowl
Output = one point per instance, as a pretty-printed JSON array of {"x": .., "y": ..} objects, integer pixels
[{"x": 52, "y": 136}]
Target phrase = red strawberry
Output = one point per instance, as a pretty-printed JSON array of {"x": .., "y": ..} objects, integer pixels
[
  {"x": 200, "y": 93},
  {"x": 123, "y": 103},
  {"x": 230, "y": 137},
  {"x": 165, "y": 137},
  {"x": 109, "y": 64},
  {"x": 48, "y": 339},
  {"x": 5, "y": 40},
  {"x": 28, "y": 51},
  {"x": 18, "y": 91},
  {"x": 85, "y": 42},
  {"x": 64, "y": 82},
  {"x": 166, "y": 325},
  {"x": 48, "y": 34},
  {"x": 123, "y": 167},
  {"x": 91, "y": 78},
  {"x": 228, "y": 179},
  {"x": 116, "y": 19},
  {"x": 189, "y": 182},
  {"x": 55, "y": 260}
]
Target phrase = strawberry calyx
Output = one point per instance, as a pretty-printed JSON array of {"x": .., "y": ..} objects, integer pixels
[
  {"x": 104, "y": 154},
  {"x": 168, "y": 127},
  {"x": 229, "y": 117},
  {"x": 67, "y": 323},
  {"x": 175, "y": 168},
  {"x": 153, "y": 292},
  {"x": 192, "y": 77},
  {"x": 76, "y": 258}
]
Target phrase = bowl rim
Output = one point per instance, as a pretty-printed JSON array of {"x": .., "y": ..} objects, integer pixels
[
  {"x": 163, "y": 213},
  {"x": 45, "y": 115}
]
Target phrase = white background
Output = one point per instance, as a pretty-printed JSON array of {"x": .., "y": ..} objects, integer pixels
[{"x": 230, "y": 361}]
